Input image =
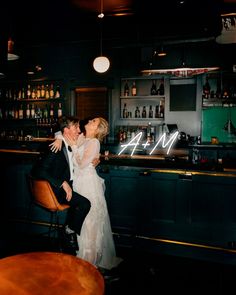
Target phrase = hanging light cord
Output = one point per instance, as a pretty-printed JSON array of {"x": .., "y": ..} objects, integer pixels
[{"x": 101, "y": 14}]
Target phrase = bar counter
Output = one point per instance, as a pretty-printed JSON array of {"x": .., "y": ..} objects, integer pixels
[{"x": 169, "y": 205}]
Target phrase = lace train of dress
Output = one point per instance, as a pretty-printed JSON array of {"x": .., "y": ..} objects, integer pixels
[{"x": 96, "y": 243}]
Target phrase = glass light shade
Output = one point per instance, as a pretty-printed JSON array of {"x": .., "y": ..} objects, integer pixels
[
  {"x": 10, "y": 47},
  {"x": 11, "y": 56},
  {"x": 101, "y": 64}
]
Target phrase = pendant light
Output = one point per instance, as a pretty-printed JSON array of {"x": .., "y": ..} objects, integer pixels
[
  {"x": 101, "y": 63},
  {"x": 10, "y": 50}
]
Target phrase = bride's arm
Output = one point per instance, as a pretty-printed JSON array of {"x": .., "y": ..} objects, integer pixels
[{"x": 91, "y": 152}]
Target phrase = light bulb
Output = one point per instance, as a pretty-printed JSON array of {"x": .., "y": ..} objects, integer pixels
[{"x": 101, "y": 64}]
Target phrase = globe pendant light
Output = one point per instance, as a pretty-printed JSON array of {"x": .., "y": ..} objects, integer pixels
[{"x": 101, "y": 63}]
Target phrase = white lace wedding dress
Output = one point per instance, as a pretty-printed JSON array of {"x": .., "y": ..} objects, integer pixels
[{"x": 96, "y": 243}]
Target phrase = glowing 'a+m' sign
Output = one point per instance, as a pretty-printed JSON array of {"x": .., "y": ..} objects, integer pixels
[{"x": 134, "y": 142}]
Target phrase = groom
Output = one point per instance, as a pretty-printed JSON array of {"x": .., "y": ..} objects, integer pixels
[{"x": 57, "y": 169}]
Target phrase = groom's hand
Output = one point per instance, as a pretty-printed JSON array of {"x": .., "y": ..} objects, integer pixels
[{"x": 68, "y": 190}]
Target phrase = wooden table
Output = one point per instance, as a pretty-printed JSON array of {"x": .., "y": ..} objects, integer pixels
[{"x": 43, "y": 273}]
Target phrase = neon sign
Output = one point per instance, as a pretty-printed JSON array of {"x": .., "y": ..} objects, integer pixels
[{"x": 134, "y": 142}]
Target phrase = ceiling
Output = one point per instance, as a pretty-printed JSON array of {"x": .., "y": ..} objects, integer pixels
[{"x": 126, "y": 22}]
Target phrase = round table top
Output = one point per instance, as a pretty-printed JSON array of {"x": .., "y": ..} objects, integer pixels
[{"x": 43, "y": 273}]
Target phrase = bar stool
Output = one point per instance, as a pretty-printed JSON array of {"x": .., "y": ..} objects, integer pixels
[
  {"x": 49, "y": 273},
  {"x": 44, "y": 197}
]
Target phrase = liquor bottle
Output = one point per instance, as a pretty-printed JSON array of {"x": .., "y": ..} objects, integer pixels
[
  {"x": 59, "y": 110},
  {"x": 161, "y": 89},
  {"x": 28, "y": 92},
  {"x": 153, "y": 90},
  {"x": 144, "y": 113},
  {"x": 42, "y": 92},
  {"x": 27, "y": 111},
  {"x": 20, "y": 94},
  {"x": 32, "y": 111},
  {"x": 161, "y": 109},
  {"x": 137, "y": 113},
  {"x": 16, "y": 113},
  {"x": 38, "y": 91},
  {"x": 206, "y": 89},
  {"x": 134, "y": 89},
  {"x": 21, "y": 113},
  {"x": 47, "y": 96},
  {"x": 45, "y": 112},
  {"x": 57, "y": 93},
  {"x": 150, "y": 115},
  {"x": 51, "y": 91},
  {"x": 157, "y": 115},
  {"x": 51, "y": 113},
  {"x": 125, "y": 112},
  {"x": 126, "y": 89},
  {"x": 23, "y": 93},
  {"x": 33, "y": 93}
]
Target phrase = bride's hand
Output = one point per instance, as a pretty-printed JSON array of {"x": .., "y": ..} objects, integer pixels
[
  {"x": 56, "y": 145},
  {"x": 70, "y": 140}
]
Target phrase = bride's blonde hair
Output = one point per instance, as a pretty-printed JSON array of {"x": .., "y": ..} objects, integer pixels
[{"x": 103, "y": 129}]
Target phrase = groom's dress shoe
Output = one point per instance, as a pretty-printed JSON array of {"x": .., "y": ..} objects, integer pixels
[{"x": 71, "y": 240}]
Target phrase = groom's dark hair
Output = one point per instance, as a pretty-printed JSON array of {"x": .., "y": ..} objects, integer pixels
[{"x": 67, "y": 121}]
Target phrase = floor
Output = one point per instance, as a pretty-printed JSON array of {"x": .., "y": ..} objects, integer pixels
[{"x": 143, "y": 273}]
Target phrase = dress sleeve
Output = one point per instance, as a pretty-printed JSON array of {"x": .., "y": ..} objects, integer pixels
[
  {"x": 58, "y": 135},
  {"x": 91, "y": 151}
]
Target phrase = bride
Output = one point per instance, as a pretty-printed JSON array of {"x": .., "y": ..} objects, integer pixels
[{"x": 96, "y": 243}]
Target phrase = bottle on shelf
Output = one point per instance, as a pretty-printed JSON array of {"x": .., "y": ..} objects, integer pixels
[
  {"x": 59, "y": 110},
  {"x": 47, "y": 95},
  {"x": 33, "y": 93},
  {"x": 38, "y": 92},
  {"x": 27, "y": 114},
  {"x": 137, "y": 113},
  {"x": 125, "y": 112},
  {"x": 161, "y": 109},
  {"x": 161, "y": 89},
  {"x": 51, "y": 113},
  {"x": 16, "y": 113},
  {"x": 45, "y": 112},
  {"x": 28, "y": 91},
  {"x": 134, "y": 89},
  {"x": 32, "y": 111},
  {"x": 126, "y": 89},
  {"x": 19, "y": 94},
  {"x": 42, "y": 95},
  {"x": 206, "y": 89},
  {"x": 153, "y": 90},
  {"x": 150, "y": 114},
  {"x": 23, "y": 93},
  {"x": 57, "y": 93},
  {"x": 51, "y": 91},
  {"x": 157, "y": 115},
  {"x": 144, "y": 112},
  {"x": 21, "y": 112}
]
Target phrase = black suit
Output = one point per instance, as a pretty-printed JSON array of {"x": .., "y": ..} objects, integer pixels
[{"x": 54, "y": 167}]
